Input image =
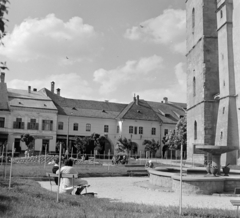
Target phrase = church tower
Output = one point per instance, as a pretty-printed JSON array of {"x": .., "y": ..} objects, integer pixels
[
  {"x": 227, "y": 122},
  {"x": 202, "y": 74}
]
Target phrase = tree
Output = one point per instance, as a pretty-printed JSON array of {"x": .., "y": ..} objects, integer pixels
[
  {"x": 3, "y": 20},
  {"x": 152, "y": 146},
  {"x": 124, "y": 145},
  {"x": 29, "y": 141},
  {"x": 88, "y": 143},
  {"x": 179, "y": 135}
]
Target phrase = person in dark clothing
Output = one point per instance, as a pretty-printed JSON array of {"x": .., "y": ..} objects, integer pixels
[{"x": 55, "y": 168}]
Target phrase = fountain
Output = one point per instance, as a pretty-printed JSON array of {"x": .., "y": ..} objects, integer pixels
[
  {"x": 194, "y": 180},
  {"x": 216, "y": 152}
]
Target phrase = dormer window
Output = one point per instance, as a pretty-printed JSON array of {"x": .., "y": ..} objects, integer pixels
[
  {"x": 193, "y": 20},
  {"x": 74, "y": 108}
]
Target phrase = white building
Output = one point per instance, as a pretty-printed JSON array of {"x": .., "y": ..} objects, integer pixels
[{"x": 47, "y": 114}]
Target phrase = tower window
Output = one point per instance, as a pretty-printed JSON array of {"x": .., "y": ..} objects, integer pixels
[
  {"x": 223, "y": 110},
  {"x": 193, "y": 20},
  {"x": 221, "y": 136},
  {"x": 221, "y": 14},
  {"x": 223, "y": 82},
  {"x": 195, "y": 130},
  {"x": 194, "y": 86}
]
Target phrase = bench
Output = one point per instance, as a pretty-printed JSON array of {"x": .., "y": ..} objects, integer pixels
[
  {"x": 236, "y": 203},
  {"x": 134, "y": 172},
  {"x": 53, "y": 175}
]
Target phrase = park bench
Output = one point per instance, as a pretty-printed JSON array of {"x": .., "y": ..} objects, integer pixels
[
  {"x": 53, "y": 175},
  {"x": 70, "y": 176},
  {"x": 139, "y": 172},
  {"x": 236, "y": 203}
]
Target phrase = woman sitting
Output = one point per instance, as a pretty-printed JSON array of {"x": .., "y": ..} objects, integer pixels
[{"x": 66, "y": 184}]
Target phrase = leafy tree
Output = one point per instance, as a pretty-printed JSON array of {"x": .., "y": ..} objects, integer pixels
[
  {"x": 124, "y": 145},
  {"x": 3, "y": 20},
  {"x": 29, "y": 141},
  {"x": 151, "y": 145},
  {"x": 83, "y": 143},
  {"x": 179, "y": 135}
]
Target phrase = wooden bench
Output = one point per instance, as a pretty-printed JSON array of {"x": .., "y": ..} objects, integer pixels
[
  {"x": 134, "y": 172},
  {"x": 62, "y": 175},
  {"x": 236, "y": 203}
]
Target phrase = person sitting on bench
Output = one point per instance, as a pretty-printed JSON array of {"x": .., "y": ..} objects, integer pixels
[
  {"x": 66, "y": 184},
  {"x": 55, "y": 168}
]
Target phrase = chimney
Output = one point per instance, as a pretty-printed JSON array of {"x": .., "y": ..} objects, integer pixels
[
  {"x": 29, "y": 89},
  {"x": 165, "y": 99},
  {"x": 137, "y": 101},
  {"x": 134, "y": 98},
  {"x": 2, "y": 77},
  {"x": 58, "y": 91},
  {"x": 52, "y": 86}
]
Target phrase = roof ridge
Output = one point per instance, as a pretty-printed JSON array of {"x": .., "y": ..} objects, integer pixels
[{"x": 127, "y": 108}]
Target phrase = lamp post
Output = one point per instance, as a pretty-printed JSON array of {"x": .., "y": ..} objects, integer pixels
[{"x": 68, "y": 132}]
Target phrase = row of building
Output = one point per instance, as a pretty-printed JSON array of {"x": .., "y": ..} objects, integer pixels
[{"x": 53, "y": 118}]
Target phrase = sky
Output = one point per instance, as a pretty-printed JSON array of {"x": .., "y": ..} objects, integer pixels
[{"x": 98, "y": 49}]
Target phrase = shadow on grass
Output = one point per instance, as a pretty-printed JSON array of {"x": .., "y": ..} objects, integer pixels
[{"x": 5, "y": 203}]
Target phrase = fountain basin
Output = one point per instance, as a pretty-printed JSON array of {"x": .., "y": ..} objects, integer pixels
[{"x": 194, "y": 184}]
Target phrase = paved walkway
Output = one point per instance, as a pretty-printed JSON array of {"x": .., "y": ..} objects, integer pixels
[{"x": 138, "y": 190}]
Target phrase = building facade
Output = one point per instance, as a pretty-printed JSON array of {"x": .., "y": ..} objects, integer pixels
[
  {"x": 212, "y": 74},
  {"x": 51, "y": 118}
]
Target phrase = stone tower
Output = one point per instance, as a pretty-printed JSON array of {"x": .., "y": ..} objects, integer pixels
[
  {"x": 202, "y": 74},
  {"x": 227, "y": 122}
]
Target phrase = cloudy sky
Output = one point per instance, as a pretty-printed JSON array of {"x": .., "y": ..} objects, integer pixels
[{"x": 98, "y": 49}]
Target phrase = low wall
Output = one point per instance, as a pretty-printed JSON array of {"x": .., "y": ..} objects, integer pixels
[{"x": 194, "y": 184}]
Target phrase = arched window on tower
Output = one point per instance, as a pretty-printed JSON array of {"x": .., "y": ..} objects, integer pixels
[
  {"x": 194, "y": 86},
  {"x": 195, "y": 130},
  {"x": 193, "y": 20}
]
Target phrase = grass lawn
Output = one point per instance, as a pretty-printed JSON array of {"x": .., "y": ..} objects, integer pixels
[{"x": 27, "y": 198}]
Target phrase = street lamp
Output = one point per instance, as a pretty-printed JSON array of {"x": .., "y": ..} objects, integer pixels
[{"x": 68, "y": 131}]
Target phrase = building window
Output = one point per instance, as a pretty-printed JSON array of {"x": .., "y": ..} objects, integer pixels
[
  {"x": 195, "y": 130},
  {"x": 135, "y": 130},
  {"x": 194, "y": 86},
  {"x": 221, "y": 135},
  {"x": 223, "y": 110},
  {"x": 75, "y": 127},
  {"x": 221, "y": 14},
  {"x": 153, "y": 131},
  {"x": 2, "y": 122},
  {"x": 18, "y": 124},
  {"x": 131, "y": 129},
  {"x": 193, "y": 20},
  {"x": 165, "y": 132},
  {"x": 33, "y": 124},
  {"x": 223, "y": 82},
  {"x": 60, "y": 125},
  {"x": 117, "y": 129},
  {"x": 47, "y": 125},
  {"x": 140, "y": 130},
  {"x": 88, "y": 127},
  {"x": 106, "y": 128}
]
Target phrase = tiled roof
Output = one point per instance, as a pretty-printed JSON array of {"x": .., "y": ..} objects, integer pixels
[
  {"x": 24, "y": 99},
  {"x": 85, "y": 108},
  {"x": 142, "y": 111},
  {"x": 168, "y": 113}
]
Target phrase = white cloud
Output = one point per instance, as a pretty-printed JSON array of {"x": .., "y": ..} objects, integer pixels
[
  {"x": 50, "y": 37},
  {"x": 168, "y": 28},
  {"x": 176, "y": 92},
  {"x": 71, "y": 85},
  {"x": 110, "y": 80}
]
